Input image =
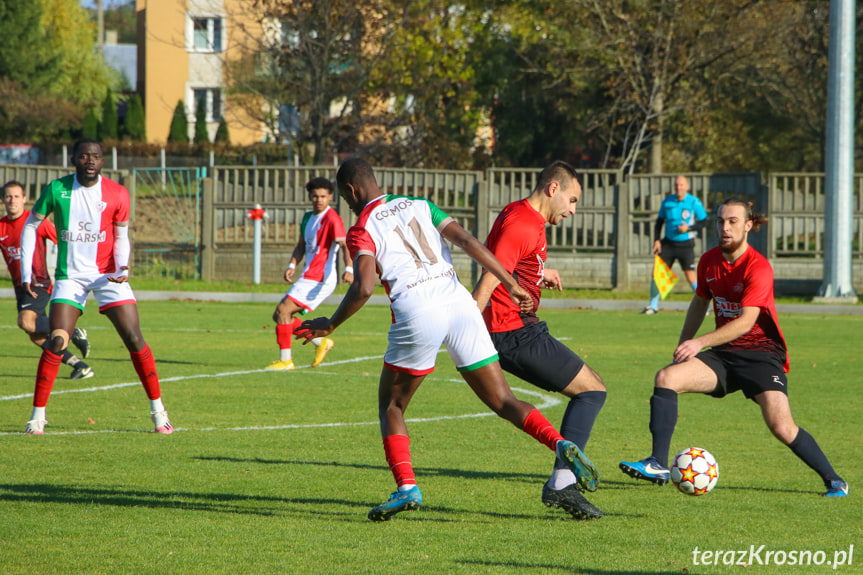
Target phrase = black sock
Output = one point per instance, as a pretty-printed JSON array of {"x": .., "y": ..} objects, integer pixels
[
  {"x": 579, "y": 418},
  {"x": 806, "y": 448},
  {"x": 663, "y": 419}
]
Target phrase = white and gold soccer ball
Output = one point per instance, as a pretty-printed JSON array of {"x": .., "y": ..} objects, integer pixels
[{"x": 694, "y": 471}]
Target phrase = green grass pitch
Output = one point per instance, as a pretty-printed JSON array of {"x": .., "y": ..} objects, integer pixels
[{"x": 275, "y": 472}]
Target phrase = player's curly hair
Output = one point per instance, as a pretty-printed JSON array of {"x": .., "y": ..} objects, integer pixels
[
  {"x": 320, "y": 183},
  {"x": 355, "y": 171},
  {"x": 756, "y": 218}
]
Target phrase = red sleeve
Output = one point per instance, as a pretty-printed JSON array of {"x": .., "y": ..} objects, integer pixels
[
  {"x": 121, "y": 213},
  {"x": 360, "y": 240},
  {"x": 758, "y": 291},
  {"x": 338, "y": 227},
  {"x": 47, "y": 231},
  {"x": 702, "y": 289}
]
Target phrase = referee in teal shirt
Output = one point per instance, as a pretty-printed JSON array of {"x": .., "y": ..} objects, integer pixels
[{"x": 683, "y": 215}]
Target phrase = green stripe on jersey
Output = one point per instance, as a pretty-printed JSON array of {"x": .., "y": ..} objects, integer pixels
[
  {"x": 437, "y": 214},
  {"x": 479, "y": 364}
]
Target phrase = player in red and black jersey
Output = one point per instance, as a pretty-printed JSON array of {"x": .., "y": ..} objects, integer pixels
[
  {"x": 524, "y": 345},
  {"x": 31, "y": 310},
  {"x": 746, "y": 352}
]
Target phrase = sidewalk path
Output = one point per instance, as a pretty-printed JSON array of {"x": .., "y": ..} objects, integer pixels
[{"x": 548, "y": 303}]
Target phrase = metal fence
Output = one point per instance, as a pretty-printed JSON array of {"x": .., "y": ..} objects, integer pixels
[{"x": 614, "y": 219}]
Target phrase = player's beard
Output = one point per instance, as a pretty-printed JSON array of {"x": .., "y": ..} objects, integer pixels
[{"x": 731, "y": 247}]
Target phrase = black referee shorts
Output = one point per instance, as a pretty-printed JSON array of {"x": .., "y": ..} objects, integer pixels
[
  {"x": 683, "y": 252},
  {"x": 532, "y": 354}
]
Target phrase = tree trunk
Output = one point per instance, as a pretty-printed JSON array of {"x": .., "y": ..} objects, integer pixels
[{"x": 655, "y": 162}]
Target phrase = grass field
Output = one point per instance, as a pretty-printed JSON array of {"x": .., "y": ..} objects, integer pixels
[{"x": 275, "y": 472}]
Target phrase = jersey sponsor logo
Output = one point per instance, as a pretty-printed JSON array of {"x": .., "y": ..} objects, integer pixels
[
  {"x": 738, "y": 288},
  {"x": 392, "y": 209},
  {"x": 86, "y": 233},
  {"x": 14, "y": 253},
  {"x": 725, "y": 308},
  {"x": 445, "y": 275}
]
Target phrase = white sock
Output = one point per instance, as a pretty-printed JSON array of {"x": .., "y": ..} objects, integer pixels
[
  {"x": 561, "y": 478},
  {"x": 38, "y": 413},
  {"x": 156, "y": 405},
  {"x": 318, "y": 341},
  {"x": 285, "y": 354},
  {"x": 407, "y": 486}
]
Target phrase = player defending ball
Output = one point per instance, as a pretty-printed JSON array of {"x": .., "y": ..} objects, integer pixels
[{"x": 400, "y": 239}]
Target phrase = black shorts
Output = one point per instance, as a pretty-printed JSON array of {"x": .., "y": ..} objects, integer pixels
[
  {"x": 748, "y": 371},
  {"x": 532, "y": 354},
  {"x": 683, "y": 252},
  {"x": 38, "y": 304}
]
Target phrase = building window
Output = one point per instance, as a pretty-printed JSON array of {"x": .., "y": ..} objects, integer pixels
[
  {"x": 206, "y": 34},
  {"x": 211, "y": 99}
]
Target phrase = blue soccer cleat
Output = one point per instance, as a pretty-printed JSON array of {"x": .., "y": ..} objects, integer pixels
[
  {"x": 585, "y": 471},
  {"x": 399, "y": 501},
  {"x": 648, "y": 469},
  {"x": 836, "y": 488}
]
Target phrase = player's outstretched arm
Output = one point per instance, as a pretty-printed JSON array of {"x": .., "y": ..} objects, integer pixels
[
  {"x": 481, "y": 255},
  {"x": 358, "y": 294}
]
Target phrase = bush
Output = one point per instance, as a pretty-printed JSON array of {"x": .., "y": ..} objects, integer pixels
[{"x": 179, "y": 132}]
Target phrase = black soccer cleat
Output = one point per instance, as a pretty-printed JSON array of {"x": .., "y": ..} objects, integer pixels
[
  {"x": 570, "y": 500},
  {"x": 79, "y": 339},
  {"x": 81, "y": 371}
]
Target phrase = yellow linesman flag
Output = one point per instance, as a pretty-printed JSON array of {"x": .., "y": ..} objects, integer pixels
[{"x": 663, "y": 276}]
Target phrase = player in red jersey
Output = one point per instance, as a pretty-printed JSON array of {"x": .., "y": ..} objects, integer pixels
[
  {"x": 747, "y": 350},
  {"x": 31, "y": 310},
  {"x": 525, "y": 347},
  {"x": 400, "y": 240},
  {"x": 322, "y": 236}
]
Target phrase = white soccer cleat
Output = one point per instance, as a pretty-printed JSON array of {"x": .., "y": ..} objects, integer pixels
[
  {"x": 35, "y": 427},
  {"x": 161, "y": 421}
]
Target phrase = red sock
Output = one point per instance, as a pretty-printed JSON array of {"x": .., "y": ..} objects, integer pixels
[
  {"x": 538, "y": 427},
  {"x": 285, "y": 332},
  {"x": 46, "y": 374},
  {"x": 145, "y": 365},
  {"x": 397, "y": 450}
]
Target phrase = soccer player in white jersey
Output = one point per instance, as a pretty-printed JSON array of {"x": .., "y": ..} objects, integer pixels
[
  {"x": 91, "y": 214},
  {"x": 401, "y": 240},
  {"x": 322, "y": 237}
]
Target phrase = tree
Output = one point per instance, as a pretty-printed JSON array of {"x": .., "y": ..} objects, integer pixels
[
  {"x": 90, "y": 128},
  {"x": 134, "y": 125},
  {"x": 316, "y": 56},
  {"x": 179, "y": 131},
  {"x": 108, "y": 127},
  {"x": 202, "y": 136},
  {"x": 222, "y": 136}
]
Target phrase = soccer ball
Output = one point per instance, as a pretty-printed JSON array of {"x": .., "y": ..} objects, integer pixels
[{"x": 694, "y": 471}]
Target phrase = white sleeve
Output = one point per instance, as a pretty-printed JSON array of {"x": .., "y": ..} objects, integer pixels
[
  {"x": 28, "y": 247},
  {"x": 122, "y": 249}
]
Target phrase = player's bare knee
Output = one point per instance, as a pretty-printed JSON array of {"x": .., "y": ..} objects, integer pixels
[
  {"x": 28, "y": 326},
  {"x": 663, "y": 379},
  {"x": 58, "y": 341},
  {"x": 783, "y": 431}
]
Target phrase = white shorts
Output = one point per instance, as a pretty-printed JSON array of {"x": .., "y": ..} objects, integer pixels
[
  {"x": 309, "y": 294},
  {"x": 108, "y": 294},
  {"x": 414, "y": 343}
]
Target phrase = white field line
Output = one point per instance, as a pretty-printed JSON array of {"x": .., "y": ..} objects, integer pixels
[{"x": 547, "y": 401}]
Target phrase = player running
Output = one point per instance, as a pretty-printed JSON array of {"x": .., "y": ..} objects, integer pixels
[
  {"x": 322, "y": 236},
  {"x": 92, "y": 219},
  {"x": 31, "y": 310},
  {"x": 400, "y": 239},
  {"x": 747, "y": 350}
]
